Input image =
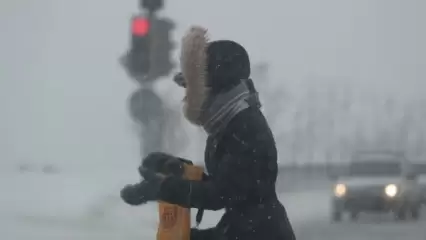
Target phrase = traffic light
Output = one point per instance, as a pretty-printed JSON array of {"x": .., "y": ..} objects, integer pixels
[
  {"x": 140, "y": 50},
  {"x": 150, "y": 54},
  {"x": 162, "y": 46}
]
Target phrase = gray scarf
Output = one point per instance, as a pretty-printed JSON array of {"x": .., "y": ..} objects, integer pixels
[{"x": 220, "y": 109}]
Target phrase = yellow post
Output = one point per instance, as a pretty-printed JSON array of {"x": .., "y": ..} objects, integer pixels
[{"x": 175, "y": 221}]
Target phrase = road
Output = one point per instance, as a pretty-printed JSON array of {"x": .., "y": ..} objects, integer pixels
[
  {"x": 371, "y": 227},
  {"x": 321, "y": 230},
  {"x": 63, "y": 209}
]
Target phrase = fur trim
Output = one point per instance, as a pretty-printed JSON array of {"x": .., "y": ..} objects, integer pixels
[{"x": 193, "y": 63}]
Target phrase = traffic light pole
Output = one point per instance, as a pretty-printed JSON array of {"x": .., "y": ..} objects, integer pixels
[{"x": 146, "y": 107}]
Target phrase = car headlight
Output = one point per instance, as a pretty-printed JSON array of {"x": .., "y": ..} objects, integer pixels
[
  {"x": 340, "y": 190},
  {"x": 391, "y": 190}
]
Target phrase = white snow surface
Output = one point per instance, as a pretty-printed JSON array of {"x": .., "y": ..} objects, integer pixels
[{"x": 77, "y": 207}]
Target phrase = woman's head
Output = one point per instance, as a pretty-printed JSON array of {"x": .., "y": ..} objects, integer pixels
[{"x": 209, "y": 68}]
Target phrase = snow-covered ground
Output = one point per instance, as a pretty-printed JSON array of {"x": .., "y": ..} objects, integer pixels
[{"x": 75, "y": 207}]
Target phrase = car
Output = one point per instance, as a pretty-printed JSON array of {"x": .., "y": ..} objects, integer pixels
[{"x": 380, "y": 182}]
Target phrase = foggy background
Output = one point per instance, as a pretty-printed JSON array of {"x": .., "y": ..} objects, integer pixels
[
  {"x": 63, "y": 95},
  {"x": 344, "y": 74}
]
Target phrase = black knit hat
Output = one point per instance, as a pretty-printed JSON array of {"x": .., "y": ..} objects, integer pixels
[{"x": 227, "y": 64}]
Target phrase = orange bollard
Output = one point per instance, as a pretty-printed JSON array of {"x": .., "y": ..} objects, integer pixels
[{"x": 175, "y": 221}]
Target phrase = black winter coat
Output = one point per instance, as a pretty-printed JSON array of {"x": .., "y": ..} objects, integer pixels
[{"x": 242, "y": 166}]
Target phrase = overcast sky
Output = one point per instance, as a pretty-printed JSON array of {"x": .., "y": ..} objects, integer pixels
[{"x": 63, "y": 95}]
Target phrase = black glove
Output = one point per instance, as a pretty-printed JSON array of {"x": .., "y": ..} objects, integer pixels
[
  {"x": 132, "y": 194},
  {"x": 164, "y": 163},
  {"x": 143, "y": 192},
  {"x": 154, "y": 169}
]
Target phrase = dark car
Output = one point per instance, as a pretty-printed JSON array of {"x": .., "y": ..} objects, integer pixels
[{"x": 377, "y": 182}]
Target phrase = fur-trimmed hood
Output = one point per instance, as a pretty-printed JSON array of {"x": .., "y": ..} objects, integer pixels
[
  {"x": 209, "y": 68},
  {"x": 193, "y": 63}
]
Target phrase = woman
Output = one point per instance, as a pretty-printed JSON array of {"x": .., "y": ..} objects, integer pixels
[{"x": 240, "y": 155}]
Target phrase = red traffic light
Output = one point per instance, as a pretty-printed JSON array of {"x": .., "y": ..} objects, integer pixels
[{"x": 140, "y": 26}]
